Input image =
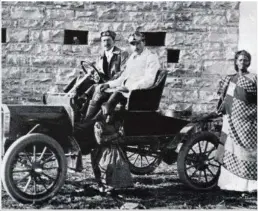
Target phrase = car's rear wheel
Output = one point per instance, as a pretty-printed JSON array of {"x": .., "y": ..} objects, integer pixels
[
  {"x": 34, "y": 168},
  {"x": 196, "y": 165},
  {"x": 143, "y": 158}
]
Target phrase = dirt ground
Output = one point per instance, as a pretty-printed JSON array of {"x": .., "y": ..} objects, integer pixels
[{"x": 160, "y": 190}]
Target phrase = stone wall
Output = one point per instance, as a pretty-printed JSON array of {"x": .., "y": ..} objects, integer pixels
[
  {"x": 35, "y": 58},
  {"x": 248, "y": 31}
]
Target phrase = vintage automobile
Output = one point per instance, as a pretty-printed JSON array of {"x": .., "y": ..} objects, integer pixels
[{"x": 38, "y": 143}]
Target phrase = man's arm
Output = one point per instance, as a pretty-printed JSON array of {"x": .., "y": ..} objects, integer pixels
[
  {"x": 152, "y": 68},
  {"x": 118, "y": 82}
]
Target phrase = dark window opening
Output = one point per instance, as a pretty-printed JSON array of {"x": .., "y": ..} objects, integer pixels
[
  {"x": 173, "y": 56},
  {"x": 154, "y": 38},
  {"x": 3, "y": 35},
  {"x": 74, "y": 37}
]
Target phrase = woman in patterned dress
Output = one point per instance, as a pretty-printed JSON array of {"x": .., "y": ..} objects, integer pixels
[{"x": 237, "y": 152}]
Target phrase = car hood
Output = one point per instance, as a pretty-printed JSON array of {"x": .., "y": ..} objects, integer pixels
[{"x": 18, "y": 117}]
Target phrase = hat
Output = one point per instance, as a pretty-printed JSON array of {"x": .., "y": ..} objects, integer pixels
[
  {"x": 108, "y": 33},
  {"x": 136, "y": 37}
]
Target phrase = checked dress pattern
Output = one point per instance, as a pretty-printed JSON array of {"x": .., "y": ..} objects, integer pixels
[{"x": 239, "y": 131}]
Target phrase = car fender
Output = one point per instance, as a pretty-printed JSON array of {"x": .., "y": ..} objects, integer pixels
[{"x": 180, "y": 137}]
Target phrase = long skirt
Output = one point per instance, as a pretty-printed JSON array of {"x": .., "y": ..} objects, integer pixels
[
  {"x": 239, "y": 165},
  {"x": 109, "y": 162}
]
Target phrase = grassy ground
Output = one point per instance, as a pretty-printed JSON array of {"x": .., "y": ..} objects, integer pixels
[{"x": 160, "y": 190}]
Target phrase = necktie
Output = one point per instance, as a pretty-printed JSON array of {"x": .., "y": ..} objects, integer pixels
[{"x": 105, "y": 65}]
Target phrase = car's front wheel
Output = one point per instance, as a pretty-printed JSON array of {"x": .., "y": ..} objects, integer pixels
[{"x": 34, "y": 168}]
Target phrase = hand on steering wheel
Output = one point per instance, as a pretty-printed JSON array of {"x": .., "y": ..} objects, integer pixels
[{"x": 92, "y": 72}]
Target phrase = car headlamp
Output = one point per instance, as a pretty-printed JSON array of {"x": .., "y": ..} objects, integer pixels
[{"x": 5, "y": 125}]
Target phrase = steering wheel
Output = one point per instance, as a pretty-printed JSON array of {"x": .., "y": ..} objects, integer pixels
[{"x": 102, "y": 79}]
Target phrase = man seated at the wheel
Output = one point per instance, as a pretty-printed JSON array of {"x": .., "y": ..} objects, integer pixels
[
  {"x": 140, "y": 73},
  {"x": 110, "y": 64}
]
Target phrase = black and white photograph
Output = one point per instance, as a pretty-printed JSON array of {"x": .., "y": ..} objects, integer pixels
[{"x": 128, "y": 105}]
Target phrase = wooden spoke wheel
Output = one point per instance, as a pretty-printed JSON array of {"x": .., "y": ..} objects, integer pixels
[
  {"x": 143, "y": 159},
  {"x": 34, "y": 168},
  {"x": 196, "y": 165}
]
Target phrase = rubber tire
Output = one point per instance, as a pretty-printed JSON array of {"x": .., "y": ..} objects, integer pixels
[
  {"x": 145, "y": 170},
  {"x": 183, "y": 153},
  {"x": 10, "y": 155}
]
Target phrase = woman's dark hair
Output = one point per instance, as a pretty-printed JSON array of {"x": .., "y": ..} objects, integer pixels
[{"x": 242, "y": 52}]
